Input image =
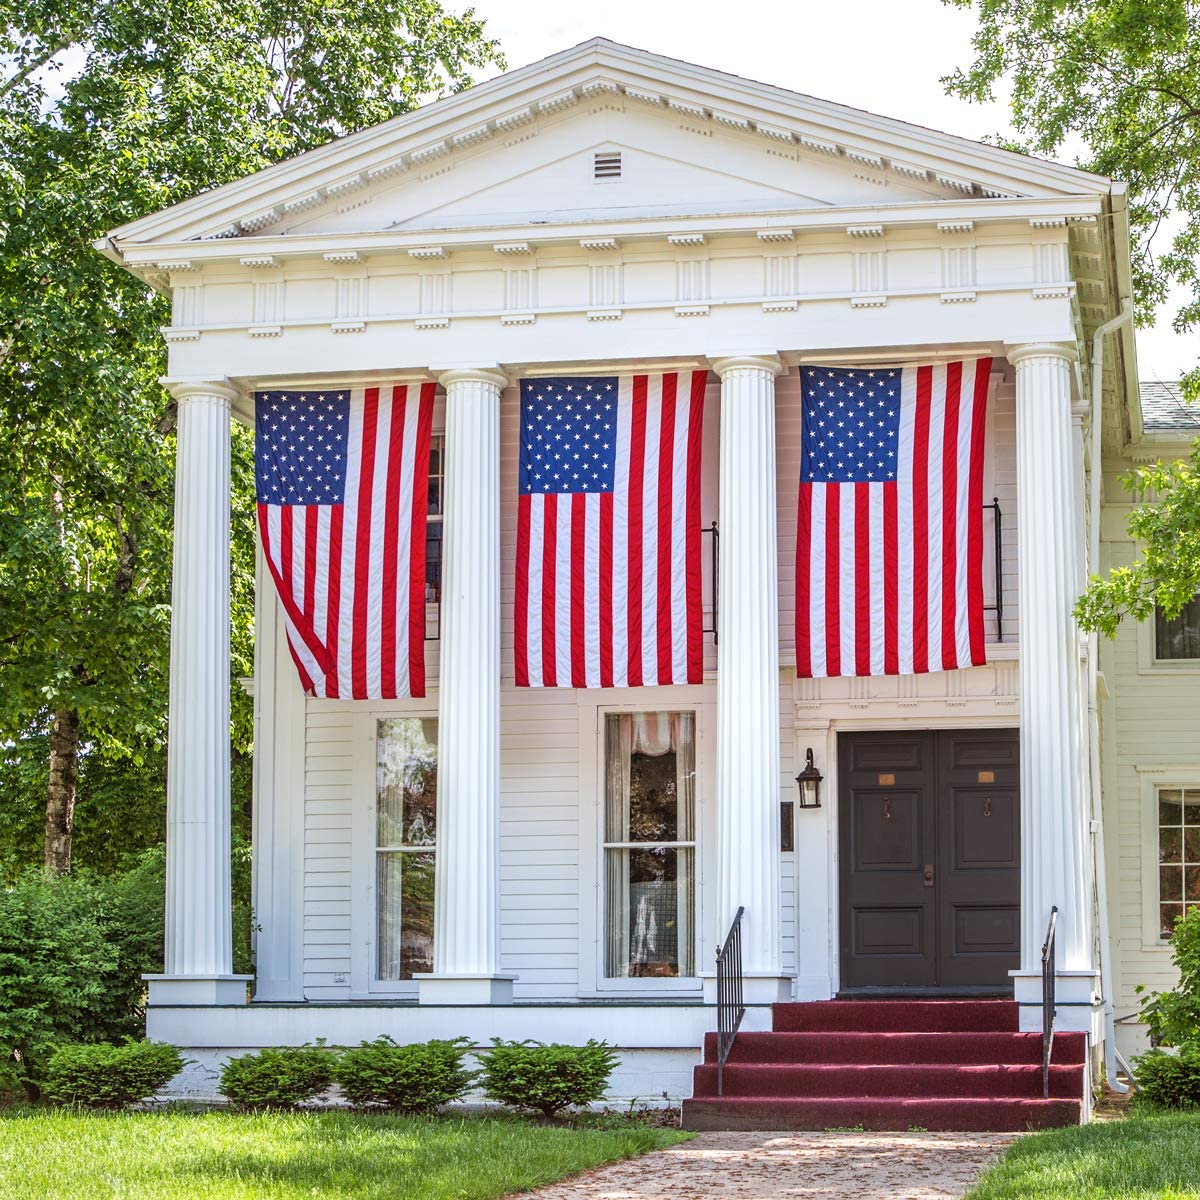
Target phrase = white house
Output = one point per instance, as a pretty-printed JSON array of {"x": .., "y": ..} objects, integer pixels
[{"x": 608, "y": 211}]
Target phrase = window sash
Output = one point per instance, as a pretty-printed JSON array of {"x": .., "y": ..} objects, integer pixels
[
  {"x": 1178, "y": 823},
  {"x": 1179, "y": 638}
]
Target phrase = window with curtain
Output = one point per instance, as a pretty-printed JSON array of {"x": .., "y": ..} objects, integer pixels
[
  {"x": 405, "y": 826},
  {"x": 650, "y": 845},
  {"x": 1180, "y": 636},
  {"x": 1178, "y": 855}
]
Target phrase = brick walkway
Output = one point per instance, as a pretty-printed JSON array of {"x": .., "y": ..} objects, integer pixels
[{"x": 795, "y": 1166}]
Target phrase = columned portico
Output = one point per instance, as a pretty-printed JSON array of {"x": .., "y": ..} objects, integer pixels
[
  {"x": 748, "y": 671},
  {"x": 1054, "y": 819},
  {"x": 199, "y": 954},
  {"x": 466, "y": 953}
]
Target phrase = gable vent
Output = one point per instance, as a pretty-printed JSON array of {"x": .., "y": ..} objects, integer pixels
[{"x": 607, "y": 165}]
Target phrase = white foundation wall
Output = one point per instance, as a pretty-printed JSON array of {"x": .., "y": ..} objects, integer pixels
[
  {"x": 1150, "y": 738},
  {"x": 551, "y": 763}
]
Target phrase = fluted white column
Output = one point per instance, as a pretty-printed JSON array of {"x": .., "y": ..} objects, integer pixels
[
  {"x": 466, "y": 937},
  {"x": 199, "y": 955},
  {"x": 748, "y": 669},
  {"x": 1054, "y": 817}
]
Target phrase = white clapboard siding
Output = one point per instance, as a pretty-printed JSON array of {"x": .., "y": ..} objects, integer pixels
[{"x": 1151, "y": 723}]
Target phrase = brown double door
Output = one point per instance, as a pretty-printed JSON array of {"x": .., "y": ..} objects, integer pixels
[{"x": 929, "y": 838}]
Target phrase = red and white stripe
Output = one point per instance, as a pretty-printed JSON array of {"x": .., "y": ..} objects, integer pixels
[
  {"x": 351, "y": 576},
  {"x": 608, "y": 585},
  {"x": 890, "y": 575}
]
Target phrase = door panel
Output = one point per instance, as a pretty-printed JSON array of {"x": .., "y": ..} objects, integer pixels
[
  {"x": 887, "y": 835},
  {"x": 929, "y": 838}
]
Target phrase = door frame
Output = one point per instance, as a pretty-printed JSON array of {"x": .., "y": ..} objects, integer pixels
[{"x": 817, "y": 860}]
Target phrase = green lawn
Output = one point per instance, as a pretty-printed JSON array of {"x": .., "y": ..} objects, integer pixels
[
  {"x": 58, "y": 1155},
  {"x": 1138, "y": 1158}
]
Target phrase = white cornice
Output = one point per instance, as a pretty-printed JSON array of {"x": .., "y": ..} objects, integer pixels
[
  {"x": 459, "y": 121},
  {"x": 617, "y": 232}
]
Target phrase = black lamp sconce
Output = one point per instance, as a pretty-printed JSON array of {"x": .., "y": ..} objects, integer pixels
[{"x": 809, "y": 781}]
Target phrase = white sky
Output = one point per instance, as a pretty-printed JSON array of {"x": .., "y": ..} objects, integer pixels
[{"x": 886, "y": 56}]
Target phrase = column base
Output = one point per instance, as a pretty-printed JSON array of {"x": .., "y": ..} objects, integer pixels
[
  {"x": 464, "y": 989},
  {"x": 756, "y": 989},
  {"x": 1078, "y": 1007},
  {"x": 175, "y": 990}
]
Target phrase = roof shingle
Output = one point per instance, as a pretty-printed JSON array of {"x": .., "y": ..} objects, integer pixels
[{"x": 1163, "y": 406}]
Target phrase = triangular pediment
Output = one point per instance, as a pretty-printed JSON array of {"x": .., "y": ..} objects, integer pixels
[{"x": 521, "y": 150}]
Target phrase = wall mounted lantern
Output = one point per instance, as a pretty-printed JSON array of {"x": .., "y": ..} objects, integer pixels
[{"x": 810, "y": 783}]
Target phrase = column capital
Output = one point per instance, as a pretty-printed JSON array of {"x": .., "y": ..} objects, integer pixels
[
  {"x": 764, "y": 360},
  {"x": 473, "y": 373},
  {"x": 215, "y": 387},
  {"x": 1019, "y": 352}
]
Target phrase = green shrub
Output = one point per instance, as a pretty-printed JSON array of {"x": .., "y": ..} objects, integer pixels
[
  {"x": 546, "y": 1078},
  {"x": 1174, "y": 1016},
  {"x": 1169, "y": 1080},
  {"x": 280, "y": 1078},
  {"x": 72, "y": 953},
  {"x": 106, "y": 1076},
  {"x": 415, "y": 1078}
]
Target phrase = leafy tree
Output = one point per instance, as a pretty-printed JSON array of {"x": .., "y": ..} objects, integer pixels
[
  {"x": 1123, "y": 77},
  {"x": 111, "y": 109}
]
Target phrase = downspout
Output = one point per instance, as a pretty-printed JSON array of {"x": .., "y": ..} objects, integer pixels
[{"x": 1095, "y": 481}]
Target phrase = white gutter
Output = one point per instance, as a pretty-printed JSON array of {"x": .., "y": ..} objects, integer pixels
[{"x": 1096, "y": 480}]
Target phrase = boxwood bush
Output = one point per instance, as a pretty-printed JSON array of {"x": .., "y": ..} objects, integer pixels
[
  {"x": 102, "y": 1075},
  {"x": 278, "y": 1078},
  {"x": 547, "y": 1078},
  {"x": 414, "y": 1078},
  {"x": 1169, "y": 1080}
]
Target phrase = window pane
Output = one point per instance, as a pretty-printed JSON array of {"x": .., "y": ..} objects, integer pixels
[
  {"x": 1170, "y": 883},
  {"x": 406, "y": 781},
  {"x": 405, "y": 923},
  {"x": 1168, "y": 914},
  {"x": 650, "y": 785},
  {"x": 1170, "y": 807},
  {"x": 1191, "y": 845},
  {"x": 1180, "y": 637},
  {"x": 433, "y": 562},
  {"x": 1170, "y": 845},
  {"x": 651, "y": 901},
  {"x": 436, "y": 474}
]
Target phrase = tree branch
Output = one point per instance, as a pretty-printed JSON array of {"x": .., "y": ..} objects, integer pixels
[{"x": 34, "y": 64}]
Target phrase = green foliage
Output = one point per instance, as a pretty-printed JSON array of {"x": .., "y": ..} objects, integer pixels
[
  {"x": 415, "y": 1078},
  {"x": 1165, "y": 522},
  {"x": 280, "y": 1078},
  {"x": 1124, "y": 77},
  {"x": 547, "y": 1078},
  {"x": 107, "y": 1076},
  {"x": 1168, "y": 1079},
  {"x": 1174, "y": 1016},
  {"x": 109, "y": 110},
  {"x": 72, "y": 953}
]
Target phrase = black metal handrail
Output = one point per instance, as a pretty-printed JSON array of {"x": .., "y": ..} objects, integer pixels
[
  {"x": 714, "y": 581},
  {"x": 731, "y": 1007},
  {"x": 1048, "y": 1001},
  {"x": 998, "y": 552}
]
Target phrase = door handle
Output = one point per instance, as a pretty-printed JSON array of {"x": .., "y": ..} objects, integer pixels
[{"x": 927, "y": 875}]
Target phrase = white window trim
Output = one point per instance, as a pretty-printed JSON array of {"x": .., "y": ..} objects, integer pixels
[
  {"x": 593, "y": 983},
  {"x": 364, "y": 984},
  {"x": 1151, "y": 780}
]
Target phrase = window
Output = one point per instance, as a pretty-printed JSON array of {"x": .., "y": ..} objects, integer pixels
[
  {"x": 649, "y": 845},
  {"x": 1180, "y": 637},
  {"x": 1178, "y": 855},
  {"x": 405, "y": 825},
  {"x": 434, "y": 517}
]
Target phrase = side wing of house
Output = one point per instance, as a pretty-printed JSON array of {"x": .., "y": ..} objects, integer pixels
[{"x": 1151, "y": 742}]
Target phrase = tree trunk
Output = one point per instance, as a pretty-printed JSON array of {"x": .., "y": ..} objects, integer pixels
[{"x": 60, "y": 795}]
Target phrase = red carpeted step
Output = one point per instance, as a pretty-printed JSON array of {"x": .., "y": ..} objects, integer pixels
[
  {"x": 914, "y": 1081},
  {"x": 897, "y": 1016},
  {"x": 939, "y": 1113},
  {"x": 869, "y": 1047}
]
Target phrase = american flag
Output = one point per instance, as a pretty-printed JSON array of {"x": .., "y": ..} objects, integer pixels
[
  {"x": 608, "y": 580},
  {"x": 889, "y": 553},
  {"x": 341, "y": 478}
]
